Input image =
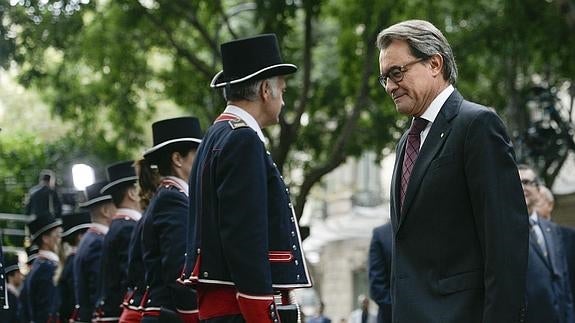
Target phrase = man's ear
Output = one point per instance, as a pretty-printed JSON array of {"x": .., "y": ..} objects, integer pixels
[
  {"x": 265, "y": 91},
  {"x": 436, "y": 64}
]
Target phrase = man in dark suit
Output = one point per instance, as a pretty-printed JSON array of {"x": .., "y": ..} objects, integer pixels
[
  {"x": 549, "y": 297},
  {"x": 43, "y": 198},
  {"x": 457, "y": 207},
  {"x": 380, "y": 271},
  {"x": 244, "y": 240}
]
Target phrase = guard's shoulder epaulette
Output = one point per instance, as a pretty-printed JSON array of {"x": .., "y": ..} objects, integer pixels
[{"x": 237, "y": 123}]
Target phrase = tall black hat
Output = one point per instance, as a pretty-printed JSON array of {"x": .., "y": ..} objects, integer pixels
[
  {"x": 32, "y": 253},
  {"x": 250, "y": 58},
  {"x": 74, "y": 222},
  {"x": 10, "y": 262},
  {"x": 93, "y": 195},
  {"x": 169, "y": 131},
  {"x": 120, "y": 174},
  {"x": 42, "y": 224}
]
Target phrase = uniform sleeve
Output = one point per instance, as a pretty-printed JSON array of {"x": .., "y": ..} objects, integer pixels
[
  {"x": 93, "y": 265},
  {"x": 500, "y": 216},
  {"x": 44, "y": 292}
]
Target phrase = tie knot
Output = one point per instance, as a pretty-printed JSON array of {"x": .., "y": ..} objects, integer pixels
[
  {"x": 532, "y": 222},
  {"x": 417, "y": 126}
]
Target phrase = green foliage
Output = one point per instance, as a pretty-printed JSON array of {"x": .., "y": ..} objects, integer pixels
[{"x": 109, "y": 67}]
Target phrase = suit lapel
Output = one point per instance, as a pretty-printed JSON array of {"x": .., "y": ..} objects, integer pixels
[
  {"x": 539, "y": 253},
  {"x": 435, "y": 139},
  {"x": 396, "y": 181},
  {"x": 550, "y": 242}
]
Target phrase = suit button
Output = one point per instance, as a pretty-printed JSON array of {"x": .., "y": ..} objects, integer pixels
[
  {"x": 289, "y": 204},
  {"x": 296, "y": 262},
  {"x": 205, "y": 274},
  {"x": 132, "y": 301},
  {"x": 297, "y": 277},
  {"x": 198, "y": 251},
  {"x": 292, "y": 219},
  {"x": 294, "y": 247},
  {"x": 293, "y": 233}
]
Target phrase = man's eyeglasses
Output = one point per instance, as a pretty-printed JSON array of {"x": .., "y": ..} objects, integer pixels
[
  {"x": 529, "y": 182},
  {"x": 396, "y": 73}
]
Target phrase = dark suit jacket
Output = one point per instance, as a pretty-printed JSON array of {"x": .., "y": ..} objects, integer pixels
[
  {"x": 380, "y": 271},
  {"x": 549, "y": 296},
  {"x": 135, "y": 278},
  {"x": 461, "y": 239},
  {"x": 568, "y": 239},
  {"x": 44, "y": 201}
]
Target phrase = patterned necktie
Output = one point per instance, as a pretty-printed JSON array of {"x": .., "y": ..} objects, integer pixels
[
  {"x": 411, "y": 152},
  {"x": 537, "y": 234}
]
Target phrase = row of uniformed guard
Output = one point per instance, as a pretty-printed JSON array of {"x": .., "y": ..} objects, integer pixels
[
  {"x": 121, "y": 266},
  {"x": 234, "y": 240}
]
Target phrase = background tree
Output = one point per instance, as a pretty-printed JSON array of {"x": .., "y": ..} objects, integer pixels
[{"x": 113, "y": 66}]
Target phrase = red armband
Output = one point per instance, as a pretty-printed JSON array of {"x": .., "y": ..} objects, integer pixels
[{"x": 258, "y": 309}]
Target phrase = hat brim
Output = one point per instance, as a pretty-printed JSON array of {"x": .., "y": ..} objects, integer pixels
[
  {"x": 47, "y": 227},
  {"x": 10, "y": 269},
  {"x": 168, "y": 142},
  {"x": 270, "y": 71},
  {"x": 76, "y": 228},
  {"x": 117, "y": 182},
  {"x": 95, "y": 201}
]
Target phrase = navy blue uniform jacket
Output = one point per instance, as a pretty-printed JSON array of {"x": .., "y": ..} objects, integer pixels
[
  {"x": 461, "y": 238},
  {"x": 164, "y": 248},
  {"x": 242, "y": 226},
  {"x": 115, "y": 265},
  {"x": 380, "y": 271},
  {"x": 40, "y": 303},
  {"x": 87, "y": 268},
  {"x": 549, "y": 297}
]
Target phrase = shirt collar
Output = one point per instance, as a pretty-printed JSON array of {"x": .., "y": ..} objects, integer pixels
[
  {"x": 184, "y": 186},
  {"x": 534, "y": 217},
  {"x": 49, "y": 255},
  {"x": 244, "y": 115},
  {"x": 100, "y": 227},
  {"x": 433, "y": 110},
  {"x": 131, "y": 213}
]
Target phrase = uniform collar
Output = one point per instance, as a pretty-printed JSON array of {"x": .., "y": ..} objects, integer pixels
[
  {"x": 183, "y": 185},
  {"x": 49, "y": 255},
  {"x": 433, "y": 110},
  {"x": 100, "y": 228},
  {"x": 247, "y": 118},
  {"x": 131, "y": 213}
]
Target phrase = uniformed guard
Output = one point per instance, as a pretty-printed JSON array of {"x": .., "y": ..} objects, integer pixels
[
  {"x": 74, "y": 225},
  {"x": 14, "y": 280},
  {"x": 88, "y": 259},
  {"x": 133, "y": 309},
  {"x": 165, "y": 171},
  {"x": 41, "y": 303},
  {"x": 123, "y": 188},
  {"x": 245, "y": 248},
  {"x": 3, "y": 290}
]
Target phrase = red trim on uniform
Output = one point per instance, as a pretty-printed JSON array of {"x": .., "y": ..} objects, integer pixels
[
  {"x": 168, "y": 182},
  {"x": 154, "y": 313},
  {"x": 226, "y": 117},
  {"x": 196, "y": 270},
  {"x": 130, "y": 316},
  {"x": 257, "y": 310},
  {"x": 280, "y": 256},
  {"x": 189, "y": 317},
  {"x": 216, "y": 300}
]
